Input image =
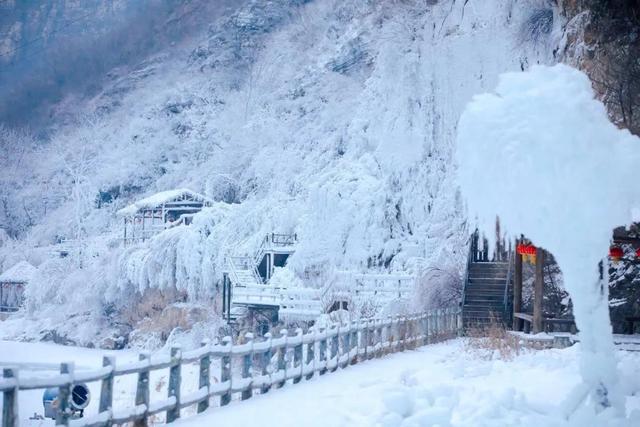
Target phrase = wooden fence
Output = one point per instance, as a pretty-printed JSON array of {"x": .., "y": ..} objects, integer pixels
[{"x": 262, "y": 364}]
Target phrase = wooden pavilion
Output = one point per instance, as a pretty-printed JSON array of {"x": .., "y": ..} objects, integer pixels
[
  {"x": 151, "y": 215},
  {"x": 12, "y": 285}
]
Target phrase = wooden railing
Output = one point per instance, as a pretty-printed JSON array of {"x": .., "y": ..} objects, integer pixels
[{"x": 262, "y": 364}]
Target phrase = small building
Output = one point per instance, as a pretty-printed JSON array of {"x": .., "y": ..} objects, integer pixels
[
  {"x": 12, "y": 285},
  {"x": 149, "y": 216}
]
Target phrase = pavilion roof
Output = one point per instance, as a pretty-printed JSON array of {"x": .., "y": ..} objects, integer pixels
[
  {"x": 21, "y": 272},
  {"x": 156, "y": 200}
]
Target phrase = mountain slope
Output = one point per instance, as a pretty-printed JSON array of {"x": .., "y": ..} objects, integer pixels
[{"x": 332, "y": 119}]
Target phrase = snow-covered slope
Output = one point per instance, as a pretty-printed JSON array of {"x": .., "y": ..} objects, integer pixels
[{"x": 332, "y": 119}]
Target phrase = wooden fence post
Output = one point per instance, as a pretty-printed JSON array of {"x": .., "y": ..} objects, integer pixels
[
  {"x": 247, "y": 360},
  {"x": 344, "y": 344},
  {"x": 399, "y": 331},
  {"x": 225, "y": 370},
  {"x": 10, "y": 412},
  {"x": 282, "y": 357},
  {"x": 390, "y": 337},
  {"x": 371, "y": 331},
  {"x": 310, "y": 354},
  {"x": 364, "y": 339},
  {"x": 64, "y": 393},
  {"x": 266, "y": 361},
  {"x": 451, "y": 321},
  {"x": 323, "y": 351},
  {"x": 297, "y": 357},
  {"x": 204, "y": 376},
  {"x": 334, "y": 346},
  {"x": 354, "y": 342},
  {"x": 175, "y": 380},
  {"x": 106, "y": 388},
  {"x": 379, "y": 338},
  {"x": 142, "y": 392}
]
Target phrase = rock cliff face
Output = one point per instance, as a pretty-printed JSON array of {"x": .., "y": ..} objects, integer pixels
[
  {"x": 51, "y": 49},
  {"x": 603, "y": 39}
]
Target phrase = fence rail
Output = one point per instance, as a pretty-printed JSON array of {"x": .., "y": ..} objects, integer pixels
[{"x": 263, "y": 363}]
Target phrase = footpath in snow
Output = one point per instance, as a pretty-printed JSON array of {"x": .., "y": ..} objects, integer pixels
[
  {"x": 439, "y": 385},
  {"x": 447, "y": 384}
]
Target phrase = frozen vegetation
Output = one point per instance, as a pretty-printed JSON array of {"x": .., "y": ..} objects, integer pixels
[
  {"x": 558, "y": 171},
  {"x": 335, "y": 120}
]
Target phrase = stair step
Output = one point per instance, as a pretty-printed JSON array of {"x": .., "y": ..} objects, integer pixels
[
  {"x": 502, "y": 277},
  {"x": 482, "y": 299},
  {"x": 482, "y": 308},
  {"x": 484, "y": 288},
  {"x": 483, "y": 279}
]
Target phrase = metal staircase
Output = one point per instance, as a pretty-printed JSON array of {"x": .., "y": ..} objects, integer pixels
[
  {"x": 247, "y": 290},
  {"x": 488, "y": 286}
]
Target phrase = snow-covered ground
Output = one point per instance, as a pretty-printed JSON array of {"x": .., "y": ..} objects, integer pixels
[
  {"x": 37, "y": 360},
  {"x": 439, "y": 385},
  {"x": 447, "y": 384}
]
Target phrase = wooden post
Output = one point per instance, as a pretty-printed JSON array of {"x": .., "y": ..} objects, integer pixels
[
  {"x": 346, "y": 344},
  {"x": 323, "y": 351},
  {"x": 297, "y": 357},
  {"x": 247, "y": 360},
  {"x": 334, "y": 347},
  {"x": 142, "y": 392},
  {"x": 175, "y": 379},
  {"x": 371, "y": 326},
  {"x": 517, "y": 291},
  {"x": 64, "y": 393},
  {"x": 538, "y": 292},
  {"x": 203, "y": 381},
  {"x": 379, "y": 345},
  {"x": 403, "y": 333},
  {"x": 282, "y": 361},
  {"x": 364, "y": 339},
  {"x": 224, "y": 297},
  {"x": 106, "y": 387},
  {"x": 10, "y": 412},
  {"x": 310, "y": 353},
  {"x": 225, "y": 370},
  {"x": 427, "y": 327},
  {"x": 354, "y": 341},
  {"x": 266, "y": 361}
]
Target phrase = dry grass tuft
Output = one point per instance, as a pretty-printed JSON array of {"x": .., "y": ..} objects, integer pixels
[{"x": 492, "y": 341}]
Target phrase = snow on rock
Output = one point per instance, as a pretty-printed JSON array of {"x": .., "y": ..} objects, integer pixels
[{"x": 542, "y": 154}]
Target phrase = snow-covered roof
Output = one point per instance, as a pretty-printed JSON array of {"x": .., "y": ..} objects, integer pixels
[
  {"x": 160, "y": 198},
  {"x": 21, "y": 272}
]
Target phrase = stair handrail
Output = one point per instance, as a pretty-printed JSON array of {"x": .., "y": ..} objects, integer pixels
[
  {"x": 247, "y": 265},
  {"x": 470, "y": 254},
  {"x": 257, "y": 257}
]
